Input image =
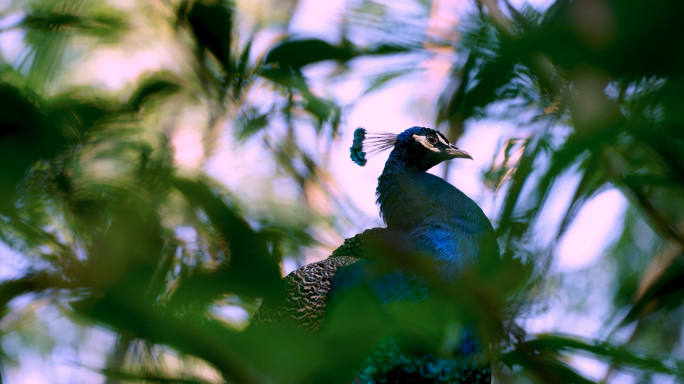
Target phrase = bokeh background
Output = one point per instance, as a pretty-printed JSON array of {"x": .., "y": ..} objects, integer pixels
[{"x": 165, "y": 162}]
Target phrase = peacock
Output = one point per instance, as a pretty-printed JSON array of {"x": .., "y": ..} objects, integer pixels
[{"x": 424, "y": 215}]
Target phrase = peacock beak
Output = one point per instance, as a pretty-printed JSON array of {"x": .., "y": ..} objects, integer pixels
[{"x": 455, "y": 153}]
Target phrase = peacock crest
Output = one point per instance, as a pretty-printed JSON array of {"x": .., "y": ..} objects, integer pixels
[{"x": 367, "y": 143}]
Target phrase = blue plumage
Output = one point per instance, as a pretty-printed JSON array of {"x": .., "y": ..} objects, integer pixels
[
  {"x": 424, "y": 215},
  {"x": 356, "y": 150},
  {"x": 424, "y": 212}
]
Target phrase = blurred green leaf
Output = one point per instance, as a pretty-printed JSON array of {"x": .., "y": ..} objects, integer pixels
[
  {"x": 201, "y": 337},
  {"x": 104, "y": 25},
  {"x": 50, "y": 26},
  {"x": 282, "y": 351},
  {"x": 555, "y": 343},
  {"x": 383, "y": 79},
  {"x": 26, "y": 135},
  {"x": 131, "y": 377},
  {"x": 295, "y": 54},
  {"x": 250, "y": 269},
  {"x": 153, "y": 86},
  {"x": 212, "y": 24},
  {"x": 251, "y": 122},
  {"x": 666, "y": 290},
  {"x": 125, "y": 256}
]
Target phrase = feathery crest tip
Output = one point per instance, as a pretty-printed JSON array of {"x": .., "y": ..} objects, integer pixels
[{"x": 367, "y": 143}]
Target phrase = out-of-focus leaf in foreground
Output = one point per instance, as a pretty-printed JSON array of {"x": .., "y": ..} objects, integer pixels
[
  {"x": 212, "y": 24},
  {"x": 249, "y": 268},
  {"x": 26, "y": 135}
]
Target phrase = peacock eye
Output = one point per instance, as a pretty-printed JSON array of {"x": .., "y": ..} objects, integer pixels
[{"x": 432, "y": 139}]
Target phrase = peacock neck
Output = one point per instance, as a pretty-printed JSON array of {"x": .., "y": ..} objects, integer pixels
[{"x": 404, "y": 192}]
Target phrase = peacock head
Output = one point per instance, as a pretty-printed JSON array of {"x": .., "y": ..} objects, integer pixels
[{"x": 418, "y": 146}]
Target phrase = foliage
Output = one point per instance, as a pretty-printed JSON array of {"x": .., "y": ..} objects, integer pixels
[{"x": 90, "y": 192}]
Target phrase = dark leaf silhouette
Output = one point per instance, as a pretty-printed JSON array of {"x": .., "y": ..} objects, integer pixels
[
  {"x": 26, "y": 135},
  {"x": 156, "y": 85},
  {"x": 212, "y": 25},
  {"x": 249, "y": 269},
  {"x": 295, "y": 54}
]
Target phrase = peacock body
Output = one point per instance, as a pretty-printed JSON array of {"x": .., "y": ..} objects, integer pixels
[{"x": 425, "y": 215}]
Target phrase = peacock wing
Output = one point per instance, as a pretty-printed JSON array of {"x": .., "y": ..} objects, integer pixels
[
  {"x": 305, "y": 295},
  {"x": 356, "y": 246}
]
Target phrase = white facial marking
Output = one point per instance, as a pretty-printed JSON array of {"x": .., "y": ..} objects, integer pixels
[
  {"x": 423, "y": 140},
  {"x": 442, "y": 140}
]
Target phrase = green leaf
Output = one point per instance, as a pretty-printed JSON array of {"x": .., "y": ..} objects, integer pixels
[
  {"x": 250, "y": 269},
  {"x": 251, "y": 122},
  {"x": 595, "y": 177},
  {"x": 124, "y": 257},
  {"x": 103, "y": 25},
  {"x": 295, "y": 54},
  {"x": 212, "y": 24},
  {"x": 154, "y": 86},
  {"x": 665, "y": 291},
  {"x": 383, "y": 79},
  {"x": 131, "y": 377},
  {"x": 205, "y": 338},
  {"x": 26, "y": 135},
  {"x": 546, "y": 343},
  {"x": 321, "y": 109}
]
